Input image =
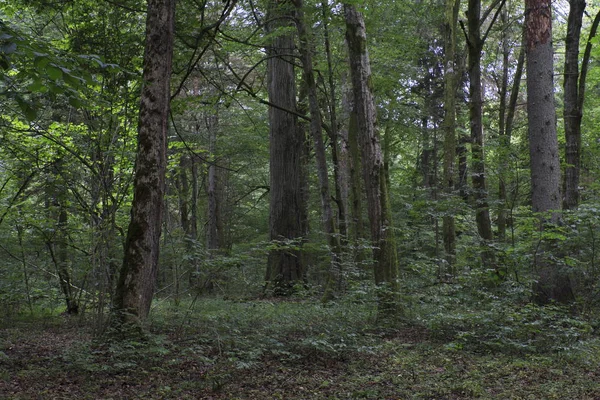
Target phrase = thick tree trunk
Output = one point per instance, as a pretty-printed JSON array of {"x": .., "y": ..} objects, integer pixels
[
  {"x": 543, "y": 142},
  {"x": 553, "y": 283},
  {"x": 384, "y": 247},
  {"x": 572, "y": 111},
  {"x": 449, "y": 123},
  {"x": 135, "y": 287},
  {"x": 285, "y": 265},
  {"x": 475, "y": 45}
]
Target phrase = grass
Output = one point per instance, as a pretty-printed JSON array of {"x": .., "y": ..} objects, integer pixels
[{"x": 223, "y": 349}]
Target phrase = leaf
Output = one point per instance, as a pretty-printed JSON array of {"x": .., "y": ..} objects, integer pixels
[
  {"x": 41, "y": 60},
  {"x": 53, "y": 72},
  {"x": 29, "y": 112},
  {"x": 75, "y": 102},
  {"x": 37, "y": 86},
  {"x": 8, "y": 48}
]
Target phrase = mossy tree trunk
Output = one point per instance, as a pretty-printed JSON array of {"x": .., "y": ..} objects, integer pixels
[
  {"x": 384, "y": 247},
  {"x": 138, "y": 273}
]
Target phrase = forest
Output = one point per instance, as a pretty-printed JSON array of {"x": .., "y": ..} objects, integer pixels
[{"x": 299, "y": 199}]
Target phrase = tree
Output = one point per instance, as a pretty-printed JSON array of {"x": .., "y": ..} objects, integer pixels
[
  {"x": 449, "y": 124},
  {"x": 138, "y": 273},
  {"x": 543, "y": 141},
  {"x": 316, "y": 132},
  {"x": 285, "y": 265},
  {"x": 553, "y": 283},
  {"x": 385, "y": 255},
  {"x": 574, "y": 96},
  {"x": 475, "y": 45}
]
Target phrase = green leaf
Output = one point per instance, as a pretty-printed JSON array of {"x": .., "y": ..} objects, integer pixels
[
  {"x": 37, "y": 86},
  {"x": 41, "y": 60},
  {"x": 29, "y": 112},
  {"x": 75, "y": 102},
  {"x": 53, "y": 72}
]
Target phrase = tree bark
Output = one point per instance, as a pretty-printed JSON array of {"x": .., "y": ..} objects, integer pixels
[
  {"x": 384, "y": 247},
  {"x": 572, "y": 111},
  {"x": 449, "y": 123},
  {"x": 285, "y": 265},
  {"x": 553, "y": 283},
  {"x": 543, "y": 141},
  {"x": 319, "y": 147},
  {"x": 475, "y": 45},
  {"x": 135, "y": 287},
  {"x": 336, "y": 158}
]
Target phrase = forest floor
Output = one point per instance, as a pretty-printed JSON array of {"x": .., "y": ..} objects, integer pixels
[{"x": 277, "y": 350}]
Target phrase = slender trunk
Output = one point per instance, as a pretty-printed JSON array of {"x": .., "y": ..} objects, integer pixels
[
  {"x": 319, "y": 147},
  {"x": 340, "y": 194},
  {"x": 384, "y": 247},
  {"x": 505, "y": 139},
  {"x": 135, "y": 287},
  {"x": 214, "y": 234},
  {"x": 183, "y": 190},
  {"x": 449, "y": 124},
  {"x": 572, "y": 111},
  {"x": 475, "y": 45}
]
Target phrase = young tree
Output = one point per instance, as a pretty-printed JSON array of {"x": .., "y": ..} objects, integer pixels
[
  {"x": 449, "y": 124},
  {"x": 138, "y": 273},
  {"x": 475, "y": 46},
  {"x": 285, "y": 265},
  {"x": 384, "y": 246}
]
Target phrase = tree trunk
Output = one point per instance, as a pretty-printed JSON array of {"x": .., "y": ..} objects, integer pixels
[
  {"x": 384, "y": 247},
  {"x": 135, "y": 287},
  {"x": 553, "y": 283},
  {"x": 543, "y": 142},
  {"x": 572, "y": 111},
  {"x": 336, "y": 158},
  {"x": 505, "y": 131},
  {"x": 319, "y": 147},
  {"x": 475, "y": 45},
  {"x": 449, "y": 123},
  {"x": 285, "y": 265},
  {"x": 58, "y": 244},
  {"x": 215, "y": 232}
]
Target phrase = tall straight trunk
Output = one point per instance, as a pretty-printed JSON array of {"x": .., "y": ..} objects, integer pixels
[
  {"x": 319, "y": 147},
  {"x": 338, "y": 169},
  {"x": 449, "y": 123},
  {"x": 553, "y": 282},
  {"x": 475, "y": 45},
  {"x": 183, "y": 191},
  {"x": 357, "y": 226},
  {"x": 384, "y": 247},
  {"x": 214, "y": 232},
  {"x": 285, "y": 265},
  {"x": 573, "y": 111},
  {"x": 135, "y": 287},
  {"x": 505, "y": 131},
  {"x": 543, "y": 141}
]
